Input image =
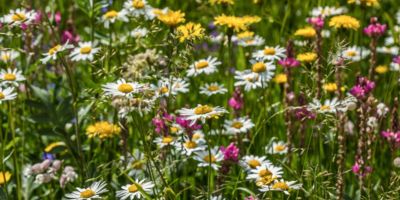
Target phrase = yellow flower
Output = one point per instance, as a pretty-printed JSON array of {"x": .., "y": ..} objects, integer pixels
[
  {"x": 4, "y": 177},
  {"x": 280, "y": 78},
  {"x": 307, "y": 57},
  {"x": 245, "y": 34},
  {"x": 171, "y": 18},
  {"x": 345, "y": 22},
  {"x": 330, "y": 87},
  {"x": 103, "y": 130},
  {"x": 364, "y": 2},
  {"x": 231, "y": 2},
  {"x": 307, "y": 32},
  {"x": 236, "y": 23},
  {"x": 190, "y": 31},
  {"x": 381, "y": 69},
  {"x": 53, "y": 145}
]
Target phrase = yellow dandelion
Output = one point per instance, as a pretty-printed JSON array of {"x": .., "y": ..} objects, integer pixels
[
  {"x": 103, "y": 130},
  {"x": 345, "y": 22},
  {"x": 245, "y": 34},
  {"x": 190, "y": 31},
  {"x": 236, "y": 23},
  {"x": 53, "y": 145},
  {"x": 307, "y": 57},
  {"x": 171, "y": 18},
  {"x": 330, "y": 87},
  {"x": 381, "y": 69},
  {"x": 307, "y": 32},
  {"x": 280, "y": 78},
  {"x": 4, "y": 177},
  {"x": 231, "y": 2}
]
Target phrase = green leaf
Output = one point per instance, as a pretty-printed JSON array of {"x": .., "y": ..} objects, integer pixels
[
  {"x": 42, "y": 94},
  {"x": 3, "y": 195}
]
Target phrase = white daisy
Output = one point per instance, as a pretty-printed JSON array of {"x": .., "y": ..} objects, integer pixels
[
  {"x": 112, "y": 16},
  {"x": 198, "y": 136},
  {"x": 238, "y": 125},
  {"x": 248, "y": 79},
  {"x": 179, "y": 85},
  {"x": 270, "y": 53},
  {"x": 394, "y": 66},
  {"x": 18, "y": 17},
  {"x": 205, "y": 158},
  {"x": 133, "y": 191},
  {"x": 90, "y": 193},
  {"x": 219, "y": 197},
  {"x": 252, "y": 162},
  {"x": 176, "y": 129},
  {"x": 281, "y": 185},
  {"x": 264, "y": 174},
  {"x": 85, "y": 51},
  {"x": 201, "y": 112},
  {"x": 139, "y": 32},
  {"x": 52, "y": 53},
  {"x": 136, "y": 163},
  {"x": 326, "y": 33},
  {"x": 8, "y": 55},
  {"x": 355, "y": 53},
  {"x": 264, "y": 69},
  {"x": 188, "y": 147},
  {"x": 278, "y": 147},
  {"x": 212, "y": 88},
  {"x": 122, "y": 88},
  {"x": 11, "y": 76},
  {"x": 164, "y": 141},
  {"x": 255, "y": 41},
  {"x": 394, "y": 50},
  {"x": 329, "y": 106},
  {"x": 139, "y": 8},
  {"x": 327, "y": 11},
  {"x": 206, "y": 66},
  {"x": 7, "y": 94}
]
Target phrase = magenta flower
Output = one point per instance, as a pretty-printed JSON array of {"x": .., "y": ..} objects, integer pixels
[
  {"x": 236, "y": 101},
  {"x": 231, "y": 152},
  {"x": 392, "y": 137},
  {"x": 396, "y": 60},
  {"x": 375, "y": 29},
  {"x": 362, "y": 88},
  {"x": 187, "y": 124},
  {"x": 68, "y": 35},
  {"x": 316, "y": 22},
  {"x": 289, "y": 62}
]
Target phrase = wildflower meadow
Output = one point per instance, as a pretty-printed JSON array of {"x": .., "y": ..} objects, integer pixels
[{"x": 199, "y": 99}]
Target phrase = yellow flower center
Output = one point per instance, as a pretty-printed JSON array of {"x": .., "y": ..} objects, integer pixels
[
  {"x": 86, "y": 50},
  {"x": 5, "y": 57},
  {"x": 237, "y": 125},
  {"x": 174, "y": 129},
  {"x": 125, "y": 88},
  {"x": 9, "y": 77},
  {"x": 210, "y": 159},
  {"x": 265, "y": 180},
  {"x": 213, "y": 88},
  {"x": 18, "y": 17},
  {"x": 280, "y": 148},
  {"x": 167, "y": 139},
  {"x": 325, "y": 107},
  {"x": 164, "y": 90},
  {"x": 138, "y": 4},
  {"x": 196, "y": 136},
  {"x": 54, "y": 50},
  {"x": 280, "y": 185},
  {"x": 190, "y": 144},
  {"x": 252, "y": 78},
  {"x": 253, "y": 163},
  {"x": 2, "y": 96},
  {"x": 264, "y": 172},
  {"x": 87, "y": 193},
  {"x": 137, "y": 164},
  {"x": 201, "y": 110},
  {"x": 259, "y": 67},
  {"x": 201, "y": 65},
  {"x": 269, "y": 51},
  {"x": 351, "y": 53},
  {"x": 111, "y": 14},
  {"x": 132, "y": 188}
]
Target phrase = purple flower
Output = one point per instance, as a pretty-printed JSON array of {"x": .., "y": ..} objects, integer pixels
[
  {"x": 375, "y": 29},
  {"x": 316, "y": 22},
  {"x": 303, "y": 113},
  {"x": 396, "y": 60},
  {"x": 231, "y": 152},
  {"x": 236, "y": 101},
  {"x": 187, "y": 124},
  {"x": 362, "y": 88},
  {"x": 289, "y": 62}
]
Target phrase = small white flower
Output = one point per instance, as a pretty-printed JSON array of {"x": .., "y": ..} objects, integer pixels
[
  {"x": 264, "y": 69},
  {"x": 136, "y": 163},
  {"x": 252, "y": 162},
  {"x": 122, "y": 88},
  {"x": 8, "y": 55},
  {"x": 279, "y": 147},
  {"x": 11, "y": 76},
  {"x": 139, "y": 32},
  {"x": 248, "y": 79},
  {"x": 84, "y": 51},
  {"x": 139, "y": 8},
  {"x": 188, "y": 147},
  {"x": 270, "y": 53},
  {"x": 327, "y": 11},
  {"x": 18, "y": 17},
  {"x": 329, "y": 106},
  {"x": 255, "y": 41},
  {"x": 164, "y": 141},
  {"x": 238, "y": 125},
  {"x": 89, "y": 193},
  {"x": 355, "y": 53},
  {"x": 326, "y": 33},
  {"x": 203, "y": 66},
  {"x": 264, "y": 174},
  {"x": 7, "y": 94},
  {"x": 212, "y": 88},
  {"x": 206, "y": 159},
  {"x": 112, "y": 16},
  {"x": 201, "y": 112},
  {"x": 382, "y": 109},
  {"x": 132, "y": 191},
  {"x": 52, "y": 53},
  {"x": 394, "y": 50},
  {"x": 281, "y": 185}
]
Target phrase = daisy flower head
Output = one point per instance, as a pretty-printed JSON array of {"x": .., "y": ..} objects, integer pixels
[
  {"x": 205, "y": 159},
  {"x": 394, "y": 50},
  {"x": 7, "y": 94},
  {"x": 136, "y": 163},
  {"x": 8, "y": 55},
  {"x": 355, "y": 53},
  {"x": 281, "y": 185},
  {"x": 18, "y": 17},
  {"x": 248, "y": 79},
  {"x": 134, "y": 190},
  {"x": 210, "y": 89},
  {"x": 11, "y": 76},
  {"x": 179, "y": 85},
  {"x": 251, "y": 42},
  {"x": 112, "y": 16},
  {"x": 139, "y": 32},
  {"x": 204, "y": 66},
  {"x": 270, "y": 53},
  {"x": 85, "y": 51},
  {"x": 238, "y": 125},
  {"x": 327, "y": 11},
  {"x": 164, "y": 141},
  {"x": 252, "y": 162},
  {"x": 188, "y": 147},
  {"x": 264, "y": 69},
  {"x": 89, "y": 193},
  {"x": 344, "y": 22},
  {"x": 122, "y": 88},
  {"x": 201, "y": 112},
  {"x": 278, "y": 147},
  {"x": 264, "y": 174},
  {"x": 139, "y": 8},
  {"x": 329, "y": 105},
  {"x": 53, "y": 52}
]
